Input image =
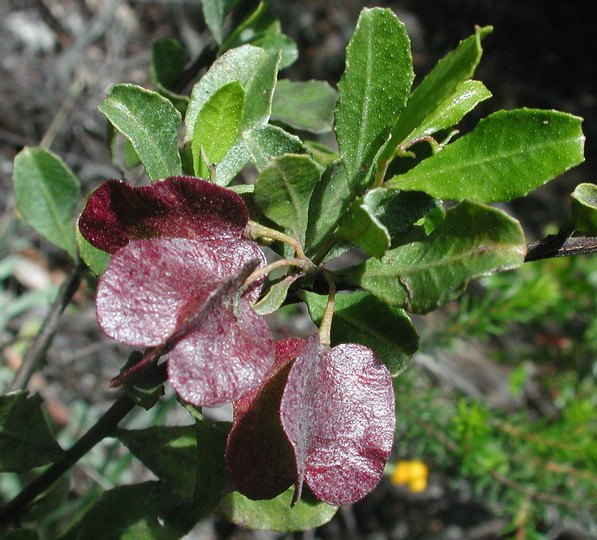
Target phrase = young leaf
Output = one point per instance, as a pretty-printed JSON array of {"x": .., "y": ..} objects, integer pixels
[
  {"x": 151, "y": 123},
  {"x": 46, "y": 194},
  {"x": 361, "y": 318},
  {"x": 337, "y": 411},
  {"x": 438, "y": 86},
  {"x": 260, "y": 460},
  {"x": 307, "y": 106},
  {"x": 507, "y": 155},
  {"x": 373, "y": 89},
  {"x": 215, "y": 12},
  {"x": 473, "y": 240},
  {"x": 331, "y": 198},
  {"x": 276, "y": 514},
  {"x": 264, "y": 30},
  {"x": 583, "y": 210},
  {"x": 217, "y": 125},
  {"x": 453, "y": 109},
  {"x": 359, "y": 225},
  {"x": 256, "y": 71},
  {"x": 275, "y": 296},
  {"x": 25, "y": 437},
  {"x": 167, "y": 62},
  {"x": 265, "y": 142},
  {"x": 183, "y": 207},
  {"x": 146, "y": 511},
  {"x": 284, "y": 188}
]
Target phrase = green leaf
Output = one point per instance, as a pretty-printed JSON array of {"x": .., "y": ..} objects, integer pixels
[
  {"x": 276, "y": 514},
  {"x": 146, "y": 388},
  {"x": 96, "y": 260},
  {"x": 215, "y": 12},
  {"x": 438, "y": 86},
  {"x": 169, "y": 452},
  {"x": 46, "y": 194},
  {"x": 507, "y": 155},
  {"x": 151, "y": 123},
  {"x": 331, "y": 198},
  {"x": 217, "y": 126},
  {"x": 583, "y": 210},
  {"x": 374, "y": 87},
  {"x": 307, "y": 106},
  {"x": 453, "y": 109},
  {"x": 359, "y": 317},
  {"x": 211, "y": 483},
  {"x": 472, "y": 241},
  {"x": 265, "y": 142},
  {"x": 284, "y": 188},
  {"x": 146, "y": 511},
  {"x": 262, "y": 29},
  {"x": 256, "y": 71},
  {"x": 359, "y": 225},
  {"x": 275, "y": 296},
  {"x": 25, "y": 437},
  {"x": 167, "y": 62},
  {"x": 189, "y": 459},
  {"x": 321, "y": 153}
]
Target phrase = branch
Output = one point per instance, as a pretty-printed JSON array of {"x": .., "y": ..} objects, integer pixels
[
  {"x": 558, "y": 245},
  {"x": 42, "y": 341},
  {"x": 103, "y": 428}
]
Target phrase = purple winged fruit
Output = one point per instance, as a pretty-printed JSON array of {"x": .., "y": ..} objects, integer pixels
[
  {"x": 180, "y": 255},
  {"x": 323, "y": 416}
]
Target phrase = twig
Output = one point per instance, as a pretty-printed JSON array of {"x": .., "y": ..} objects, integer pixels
[
  {"x": 42, "y": 341},
  {"x": 557, "y": 245},
  {"x": 102, "y": 429}
]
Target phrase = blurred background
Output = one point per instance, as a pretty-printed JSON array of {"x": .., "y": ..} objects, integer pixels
[{"x": 496, "y": 412}]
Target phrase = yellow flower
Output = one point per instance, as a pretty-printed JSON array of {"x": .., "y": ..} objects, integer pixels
[{"x": 412, "y": 473}]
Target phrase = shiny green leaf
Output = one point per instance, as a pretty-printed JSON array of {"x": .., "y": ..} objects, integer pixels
[
  {"x": 25, "y": 437},
  {"x": 307, "y": 106},
  {"x": 583, "y": 210},
  {"x": 439, "y": 85},
  {"x": 217, "y": 126},
  {"x": 331, "y": 197},
  {"x": 359, "y": 225},
  {"x": 46, "y": 194},
  {"x": 151, "y": 123},
  {"x": 374, "y": 88},
  {"x": 359, "y": 317},
  {"x": 507, "y": 155},
  {"x": 453, "y": 109},
  {"x": 284, "y": 188},
  {"x": 256, "y": 71},
  {"x": 266, "y": 142},
  {"x": 275, "y": 296},
  {"x": 214, "y": 12},
  {"x": 473, "y": 240},
  {"x": 276, "y": 514}
]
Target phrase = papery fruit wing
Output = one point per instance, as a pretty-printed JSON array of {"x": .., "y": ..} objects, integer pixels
[
  {"x": 260, "y": 459},
  {"x": 152, "y": 285},
  {"x": 338, "y": 413},
  {"x": 180, "y": 207}
]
